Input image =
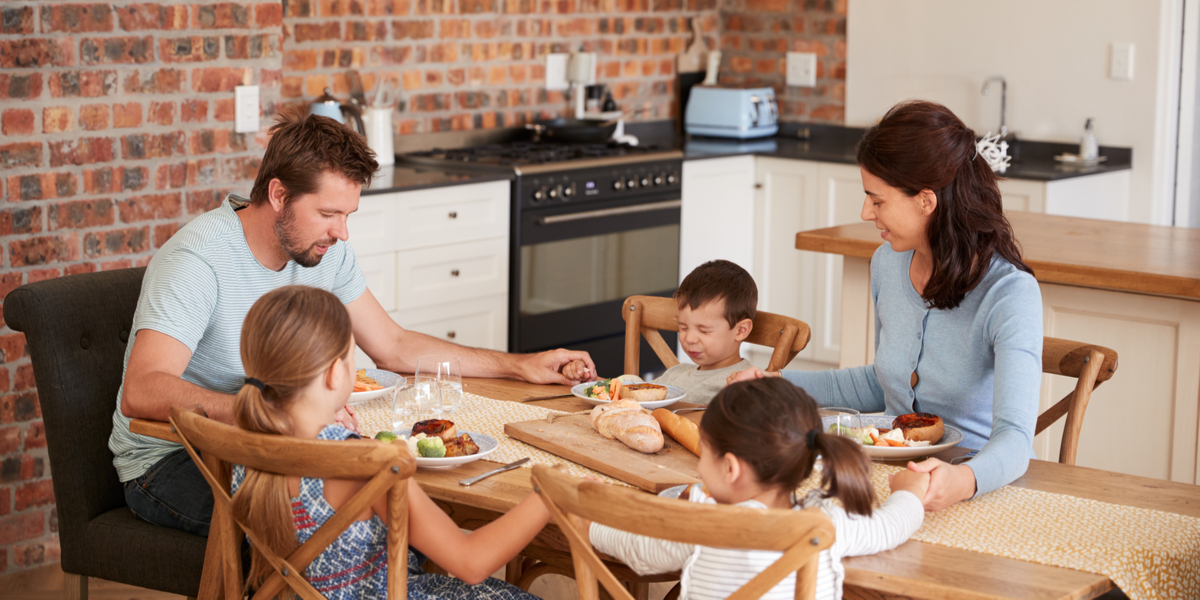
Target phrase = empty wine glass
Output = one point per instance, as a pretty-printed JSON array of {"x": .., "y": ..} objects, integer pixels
[
  {"x": 446, "y": 370},
  {"x": 420, "y": 399},
  {"x": 841, "y": 421}
]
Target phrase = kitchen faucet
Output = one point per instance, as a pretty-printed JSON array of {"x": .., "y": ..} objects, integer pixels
[{"x": 1003, "y": 101}]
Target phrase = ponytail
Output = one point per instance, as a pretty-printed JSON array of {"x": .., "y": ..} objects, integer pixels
[
  {"x": 291, "y": 336},
  {"x": 773, "y": 426}
]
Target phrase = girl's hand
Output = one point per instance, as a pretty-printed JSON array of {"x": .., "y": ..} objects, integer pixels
[
  {"x": 577, "y": 371},
  {"x": 948, "y": 484},
  {"x": 910, "y": 481},
  {"x": 347, "y": 418},
  {"x": 751, "y": 373}
]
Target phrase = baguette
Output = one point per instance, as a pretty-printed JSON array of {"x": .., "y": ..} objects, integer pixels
[{"x": 686, "y": 432}]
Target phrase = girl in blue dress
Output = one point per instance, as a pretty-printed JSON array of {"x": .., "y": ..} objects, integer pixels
[{"x": 298, "y": 353}]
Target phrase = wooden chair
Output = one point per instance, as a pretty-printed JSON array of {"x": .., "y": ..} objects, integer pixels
[
  {"x": 799, "y": 535},
  {"x": 645, "y": 315},
  {"x": 385, "y": 467},
  {"x": 1092, "y": 365}
]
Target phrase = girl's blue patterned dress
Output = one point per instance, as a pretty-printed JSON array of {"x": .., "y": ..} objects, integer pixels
[{"x": 355, "y": 565}]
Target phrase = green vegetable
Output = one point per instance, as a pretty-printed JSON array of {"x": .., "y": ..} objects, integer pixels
[
  {"x": 839, "y": 429},
  {"x": 431, "y": 448},
  {"x": 867, "y": 441},
  {"x": 385, "y": 436}
]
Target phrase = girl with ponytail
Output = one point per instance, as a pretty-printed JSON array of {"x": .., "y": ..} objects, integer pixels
[
  {"x": 759, "y": 441},
  {"x": 298, "y": 353},
  {"x": 958, "y": 314}
]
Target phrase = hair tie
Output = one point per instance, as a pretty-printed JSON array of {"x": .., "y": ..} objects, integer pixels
[
  {"x": 262, "y": 387},
  {"x": 811, "y": 438}
]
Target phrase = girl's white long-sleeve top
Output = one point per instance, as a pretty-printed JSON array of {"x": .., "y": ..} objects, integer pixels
[{"x": 710, "y": 573}]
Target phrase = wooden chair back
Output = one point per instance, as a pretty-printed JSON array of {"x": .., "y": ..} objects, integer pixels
[
  {"x": 799, "y": 535},
  {"x": 646, "y": 315},
  {"x": 214, "y": 447},
  {"x": 1091, "y": 365}
]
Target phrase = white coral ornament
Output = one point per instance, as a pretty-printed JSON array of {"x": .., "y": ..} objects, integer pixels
[{"x": 994, "y": 151}]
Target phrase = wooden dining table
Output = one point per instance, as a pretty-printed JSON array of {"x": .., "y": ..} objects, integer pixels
[{"x": 912, "y": 570}]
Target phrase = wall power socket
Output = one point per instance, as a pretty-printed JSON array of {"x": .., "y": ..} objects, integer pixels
[{"x": 802, "y": 69}]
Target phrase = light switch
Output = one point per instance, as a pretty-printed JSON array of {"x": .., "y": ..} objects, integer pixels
[
  {"x": 1121, "y": 65},
  {"x": 556, "y": 71},
  {"x": 802, "y": 69},
  {"x": 246, "y": 109}
]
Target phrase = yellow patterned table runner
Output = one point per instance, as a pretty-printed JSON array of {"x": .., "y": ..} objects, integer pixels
[{"x": 1149, "y": 554}]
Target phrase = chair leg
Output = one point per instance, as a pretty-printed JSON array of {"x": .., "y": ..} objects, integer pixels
[{"x": 75, "y": 587}]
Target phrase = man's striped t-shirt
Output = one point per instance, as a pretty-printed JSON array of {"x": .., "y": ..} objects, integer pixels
[{"x": 198, "y": 288}]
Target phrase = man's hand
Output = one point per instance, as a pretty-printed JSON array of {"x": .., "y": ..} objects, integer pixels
[
  {"x": 751, "y": 373},
  {"x": 544, "y": 367},
  {"x": 347, "y": 418},
  {"x": 948, "y": 484}
]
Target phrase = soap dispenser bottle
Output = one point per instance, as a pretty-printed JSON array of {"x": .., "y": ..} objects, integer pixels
[{"x": 1088, "y": 148}]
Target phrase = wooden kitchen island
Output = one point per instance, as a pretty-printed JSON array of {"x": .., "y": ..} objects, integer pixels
[{"x": 1131, "y": 287}]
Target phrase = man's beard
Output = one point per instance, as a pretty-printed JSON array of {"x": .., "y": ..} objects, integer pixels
[{"x": 304, "y": 257}]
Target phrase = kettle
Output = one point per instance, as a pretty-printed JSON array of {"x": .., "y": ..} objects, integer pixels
[{"x": 328, "y": 106}]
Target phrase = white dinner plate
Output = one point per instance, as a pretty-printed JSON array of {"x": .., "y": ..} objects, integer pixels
[
  {"x": 950, "y": 438},
  {"x": 674, "y": 394},
  {"x": 487, "y": 445},
  {"x": 389, "y": 380}
]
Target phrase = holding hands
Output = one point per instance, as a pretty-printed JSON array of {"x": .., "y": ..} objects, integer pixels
[
  {"x": 551, "y": 366},
  {"x": 910, "y": 481},
  {"x": 948, "y": 483}
]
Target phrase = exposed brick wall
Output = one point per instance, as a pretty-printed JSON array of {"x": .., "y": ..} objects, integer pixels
[
  {"x": 469, "y": 64},
  {"x": 757, "y": 34},
  {"x": 116, "y": 123},
  {"x": 115, "y": 129}
]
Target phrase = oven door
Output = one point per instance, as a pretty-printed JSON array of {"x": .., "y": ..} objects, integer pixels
[{"x": 578, "y": 264}]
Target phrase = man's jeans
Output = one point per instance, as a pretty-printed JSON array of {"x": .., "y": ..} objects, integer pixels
[{"x": 172, "y": 493}]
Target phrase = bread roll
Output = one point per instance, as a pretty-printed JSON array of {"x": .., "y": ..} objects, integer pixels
[
  {"x": 686, "y": 432},
  {"x": 644, "y": 392},
  {"x": 626, "y": 421}
]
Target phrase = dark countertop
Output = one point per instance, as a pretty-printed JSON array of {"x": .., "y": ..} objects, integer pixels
[
  {"x": 404, "y": 178},
  {"x": 1032, "y": 160}
]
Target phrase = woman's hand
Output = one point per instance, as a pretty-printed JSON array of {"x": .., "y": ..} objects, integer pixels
[
  {"x": 751, "y": 373},
  {"x": 948, "y": 484}
]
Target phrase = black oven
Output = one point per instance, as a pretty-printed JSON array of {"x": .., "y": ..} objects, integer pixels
[{"x": 583, "y": 240}]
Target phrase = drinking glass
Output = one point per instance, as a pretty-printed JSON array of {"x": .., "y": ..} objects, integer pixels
[
  {"x": 420, "y": 399},
  {"x": 446, "y": 370},
  {"x": 841, "y": 421}
]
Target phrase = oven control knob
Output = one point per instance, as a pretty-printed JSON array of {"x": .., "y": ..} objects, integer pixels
[
  {"x": 645, "y": 181},
  {"x": 539, "y": 195},
  {"x": 568, "y": 192},
  {"x": 553, "y": 193},
  {"x": 659, "y": 179},
  {"x": 671, "y": 179},
  {"x": 618, "y": 185},
  {"x": 632, "y": 183}
]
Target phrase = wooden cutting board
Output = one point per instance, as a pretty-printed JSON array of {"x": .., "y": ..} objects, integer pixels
[{"x": 573, "y": 438}]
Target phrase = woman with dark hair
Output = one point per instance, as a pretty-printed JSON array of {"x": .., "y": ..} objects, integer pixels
[{"x": 958, "y": 315}]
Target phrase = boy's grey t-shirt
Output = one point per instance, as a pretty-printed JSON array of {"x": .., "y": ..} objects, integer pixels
[
  {"x": 198, "y": 288},
  {"x": 700, "y": 386}
]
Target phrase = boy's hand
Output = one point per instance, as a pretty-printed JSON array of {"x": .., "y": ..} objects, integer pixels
[
  {"x": 751, "y": 373},
  {"x": 577, "y": 370},
  {"x": 910, "y": 481}
]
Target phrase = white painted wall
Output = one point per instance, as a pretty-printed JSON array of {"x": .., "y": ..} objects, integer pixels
[{"x": 1055, "y": 55}]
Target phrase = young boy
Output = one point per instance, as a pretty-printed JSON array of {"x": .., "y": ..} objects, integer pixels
[{"x": 717, "y": 302}]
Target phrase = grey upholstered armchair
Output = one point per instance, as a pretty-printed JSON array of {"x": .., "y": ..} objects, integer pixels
[{"x": 76, "y": 329}]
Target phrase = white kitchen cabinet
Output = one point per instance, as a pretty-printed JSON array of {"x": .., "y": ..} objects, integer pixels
[
  {"x": 437, "y": 260},
  {"x": 717, "y": 216},
  {"x": 793, "y": 196},
  {"x": 1099, "y": 196}
]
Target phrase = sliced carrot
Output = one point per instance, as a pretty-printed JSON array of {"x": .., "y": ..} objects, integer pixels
[
  {"x": 615, "y": 390},
  {"x": 875, "y": 438}
]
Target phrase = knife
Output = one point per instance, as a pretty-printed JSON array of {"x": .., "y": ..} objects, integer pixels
[
  {"x": 510, "y": 466},
  {"x": 535, "y": 398}
]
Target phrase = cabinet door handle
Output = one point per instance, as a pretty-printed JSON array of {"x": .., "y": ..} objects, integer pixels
[
  {"x": 758, "y": 186},
  {"x": 451, "y": 334},
  {"x": 454, "y": 273},
  {"x": 454, "y": 214}
]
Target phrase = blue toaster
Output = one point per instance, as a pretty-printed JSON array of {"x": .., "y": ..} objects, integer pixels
[{"x": 731, "y": 112}]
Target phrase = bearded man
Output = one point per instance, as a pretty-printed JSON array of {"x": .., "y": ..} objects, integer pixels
[{"x": 202, "y": 282}]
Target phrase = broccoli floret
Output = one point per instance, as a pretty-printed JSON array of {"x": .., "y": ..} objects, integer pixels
[{"x": 431, "y": 448}]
